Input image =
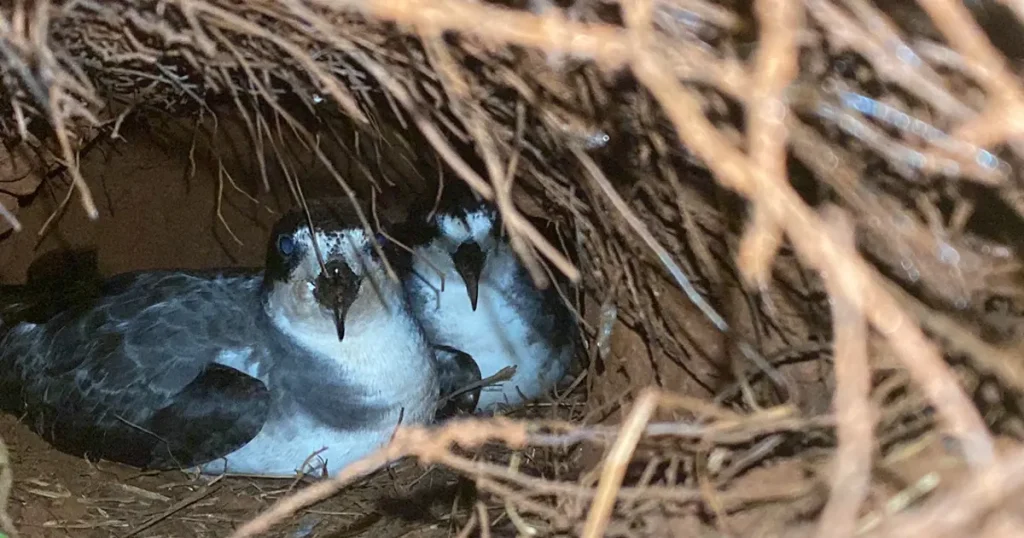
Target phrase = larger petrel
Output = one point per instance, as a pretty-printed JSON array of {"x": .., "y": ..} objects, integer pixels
[{"x": 232, "y": 371}]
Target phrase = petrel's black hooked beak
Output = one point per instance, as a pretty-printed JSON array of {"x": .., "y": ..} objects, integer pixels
[
  {"x": 337, "y": 289},
  {"x": 469, "y": 262}
]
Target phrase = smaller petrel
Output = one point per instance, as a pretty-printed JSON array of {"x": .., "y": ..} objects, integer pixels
[{"x": 489, "y": 307}]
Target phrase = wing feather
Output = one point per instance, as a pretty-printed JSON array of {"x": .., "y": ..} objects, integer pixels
[{"x": 127, "y": 372}]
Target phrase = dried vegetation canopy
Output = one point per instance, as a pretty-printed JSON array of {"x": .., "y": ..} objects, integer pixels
[{"x": 795, "y": 224}]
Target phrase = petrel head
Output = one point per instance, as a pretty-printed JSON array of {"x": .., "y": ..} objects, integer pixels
[
  {"x": 319, "y": 277},
  {"x": 468, "y": 235}
]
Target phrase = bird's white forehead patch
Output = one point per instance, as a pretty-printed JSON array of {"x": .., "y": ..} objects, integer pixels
[
  {"x": 351, "y": 245},
  {"x": 476, "y": 226}
]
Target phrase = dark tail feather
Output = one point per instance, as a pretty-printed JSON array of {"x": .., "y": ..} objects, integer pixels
[
  {"x": 57, "y": 281},
  {"x": 456, "y": 371},
  {"x": 59, "y": 268},
  {"x": 14, "y": 302}
]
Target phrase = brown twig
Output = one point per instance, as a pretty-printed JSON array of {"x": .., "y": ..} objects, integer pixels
[
  {"x": 6, "y": 483},
  {"x": 615, "y": 463},
  {"x": 855, "y": 419},
  {"x": 177, "y": 507},
  {"x": 641, "y": 229},
  {"x": 10, "y": 218},
  {"x": 767, "y": 136},
  {"x": 806, "y": 232},
  {"x": 320, "y": 490},
  {"x": 949, "y": 514}
]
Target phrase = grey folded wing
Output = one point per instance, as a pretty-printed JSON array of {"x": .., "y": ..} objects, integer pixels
[{"x": 130, "y": 374}]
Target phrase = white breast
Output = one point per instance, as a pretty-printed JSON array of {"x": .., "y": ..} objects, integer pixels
[
  {"x": 387, "y": 356},
  {"x": 384, "y": 351},
  {"x": 275, "y": 453},
  {"x": 496, "y": 335}
]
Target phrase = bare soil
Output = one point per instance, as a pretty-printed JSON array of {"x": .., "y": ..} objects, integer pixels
[{"x": 59, "y": 495}]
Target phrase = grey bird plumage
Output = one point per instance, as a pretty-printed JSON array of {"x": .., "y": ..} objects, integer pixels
[{"x": 236, "y": 371}]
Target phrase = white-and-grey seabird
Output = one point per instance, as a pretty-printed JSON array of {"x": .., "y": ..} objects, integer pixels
[
  {"x": 238, "y": 371},
  {"x": 489, "y": 307}
]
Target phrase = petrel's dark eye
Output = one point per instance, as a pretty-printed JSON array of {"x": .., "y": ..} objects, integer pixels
[{"x": 285, "y": 245}]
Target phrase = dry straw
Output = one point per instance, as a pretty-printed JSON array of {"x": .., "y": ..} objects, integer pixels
[{"x": 883, "y": 117}]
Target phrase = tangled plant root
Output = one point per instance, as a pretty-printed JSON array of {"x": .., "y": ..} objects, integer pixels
[{"x": 535, "y": 95}]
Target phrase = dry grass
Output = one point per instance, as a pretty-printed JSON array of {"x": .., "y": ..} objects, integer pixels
[{"x": 611, "y": 119}]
